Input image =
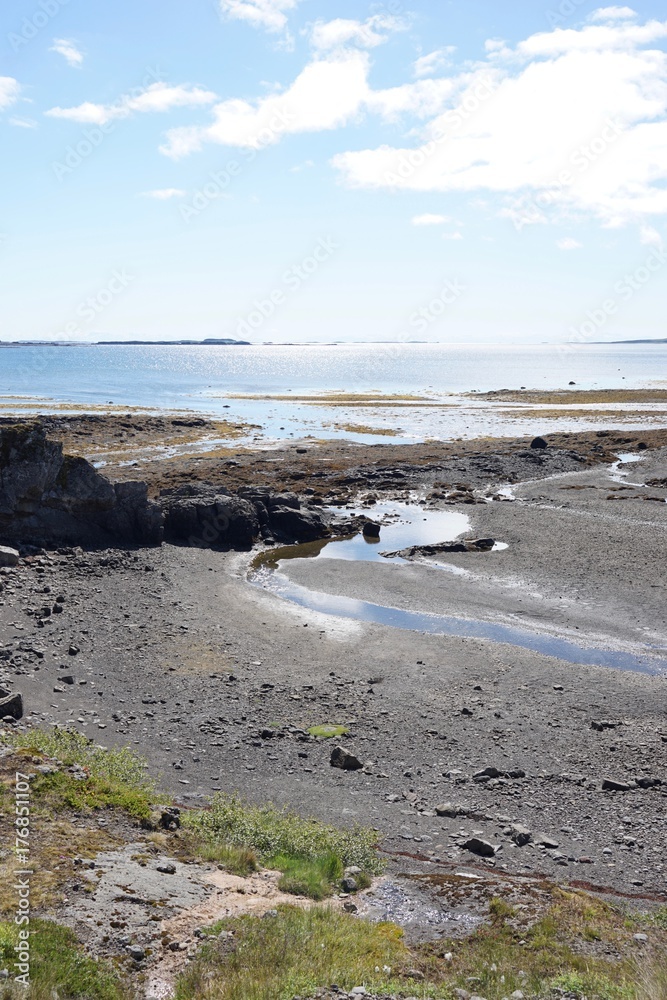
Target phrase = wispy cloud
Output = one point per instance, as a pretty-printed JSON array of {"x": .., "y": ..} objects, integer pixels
[
  {"x": 327, "y": 35},
  {"x": 432, "y": 62},
  {"x": 9, "y": 91},
  {"x": 430, "y": 219},
  {"x": 568, "y": 243},
  {"x": 158, "y": 97},
  {"x": 271, "y": 15},
  {"x": 164, "y": 194},
  {"x": 67, "y": 48},
  {"x": 23, "y": 122}
]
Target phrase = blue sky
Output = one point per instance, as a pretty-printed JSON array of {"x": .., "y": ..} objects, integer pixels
[{"x": 303, "y": 170}]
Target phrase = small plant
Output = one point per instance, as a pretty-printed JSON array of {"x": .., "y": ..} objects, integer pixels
[{"x": 311, "y": 877}]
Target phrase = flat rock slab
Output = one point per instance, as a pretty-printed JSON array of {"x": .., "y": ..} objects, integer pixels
[{"x": 8, "y": 556}]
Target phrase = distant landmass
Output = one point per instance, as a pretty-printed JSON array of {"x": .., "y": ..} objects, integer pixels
[
  {"x": 647, "y": 340},
  {"x": 215, "y": 341},
  {"x": 212, "y": 341}
]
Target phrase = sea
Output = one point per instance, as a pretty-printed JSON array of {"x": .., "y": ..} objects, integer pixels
[{"x": 237, "y": 382}]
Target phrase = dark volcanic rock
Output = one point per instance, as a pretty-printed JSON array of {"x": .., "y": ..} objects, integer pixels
[
  {"x": 290, "y": 525},
  {"x": 48, "y": 498},
  {"x": 11, "y": 706},
  {"x": 538, "y": 442},
  {"x": 344, "y": 760},
  {"x": 371, "y": 529},
  {"x": 206, "y": 517}
]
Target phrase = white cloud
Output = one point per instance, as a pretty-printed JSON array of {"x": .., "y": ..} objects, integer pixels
[
  {"x": 568, "y": 243},
  {"x": 452, "y": 236},
  {"x": 430, "y": 219},
  {"x": 9, "y": 91},
  {"x": 68, "y": 49},
  {"x": 429, "y": 64},
  {"x": 328, "y": 93},
  {"x": 268, "y": 14},
  {"x": 157, "y": 97},
  {"x": 327, "y": 35},
  {"x": 164, "y": 194},
  {"x": 578, "y": 114},
  {"x": 23, "y": 122},
  {"x": 613, "y": 14}
]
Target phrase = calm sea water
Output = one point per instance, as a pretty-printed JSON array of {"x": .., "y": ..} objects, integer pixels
[{"x": 202, "y": 378}]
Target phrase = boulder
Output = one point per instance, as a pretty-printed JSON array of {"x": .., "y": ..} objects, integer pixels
[
  {"x": 47, "y": 498},
  {"x": 8, "y": 557},
  {"x": 205, "y": 516},
  {"x": 344, "y": 760},
  {"x": 12, "y": 706},
  {"x": 291, "y": 525},
  {"x": 538, "y": 442},
  {"x": 371, "y": 529},
  {"x": 481, "y": 847}
]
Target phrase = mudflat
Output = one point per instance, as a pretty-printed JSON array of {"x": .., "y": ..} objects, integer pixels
[{"x": 217, "y": 680}]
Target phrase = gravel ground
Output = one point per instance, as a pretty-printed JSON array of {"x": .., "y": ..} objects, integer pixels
[{"x": 174, "y": 652}]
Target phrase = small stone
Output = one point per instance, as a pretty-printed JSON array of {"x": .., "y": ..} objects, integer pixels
[
  {"x": 371, "y": 529},
  {"x": 11, "y": 706},
  {"x": 67, "y": 679},
  {"x": 538, "y": 442},
  {"x": 640, "y": 938},
  {"x": 521, "y": 835},
  {"x": 8, "y": 556},
  {"x": 349, "y": 884},
  {"x": 136, "y": 952},
  {"x": 166, "y": 869},
  {"x": 545, "y": 841},
  {"x": 449, "y": 809},
  {"x": 611, "y": 785},
  {"x": 73, "y": 650}
]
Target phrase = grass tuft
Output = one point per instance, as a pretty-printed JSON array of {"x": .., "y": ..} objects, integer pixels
[
  {"x": 114, "y": 778},
  {"x": 58, "y": 967},
  {"x": 312, "y": 855},
  {"x": 293, "y": 954}
]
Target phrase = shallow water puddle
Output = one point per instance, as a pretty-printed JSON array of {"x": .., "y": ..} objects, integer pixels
[{"x": 409, "y": 525}]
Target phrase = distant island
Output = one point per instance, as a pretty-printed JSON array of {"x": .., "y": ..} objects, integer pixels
[
  {"x": 647, "y": 340},
  {"x": 210, "y": 341}
]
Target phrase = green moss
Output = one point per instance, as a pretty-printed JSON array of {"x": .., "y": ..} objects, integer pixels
[{"x": 326, "y": 732}]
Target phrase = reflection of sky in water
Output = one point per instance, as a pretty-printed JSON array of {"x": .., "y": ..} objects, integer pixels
[
  {"x": 405, "y": 525},
  {"x": 432, "y": 624}
]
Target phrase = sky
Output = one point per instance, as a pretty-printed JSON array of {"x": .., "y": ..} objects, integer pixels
[{"x": 303, "y": 170}]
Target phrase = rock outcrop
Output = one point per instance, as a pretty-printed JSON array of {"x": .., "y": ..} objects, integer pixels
[
  {"x": 47, "y": 498},
  {"x": 208, "y": 517}
]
